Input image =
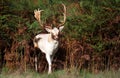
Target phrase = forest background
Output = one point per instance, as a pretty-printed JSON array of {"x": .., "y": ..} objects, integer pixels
[{"x": 90, "y": 40}]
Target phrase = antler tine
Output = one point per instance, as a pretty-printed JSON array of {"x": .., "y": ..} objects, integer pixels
[
  {"x": 64, "y": 14},
  {"x": 37, "y": 15}
]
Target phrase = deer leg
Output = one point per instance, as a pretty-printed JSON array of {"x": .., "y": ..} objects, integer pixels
[
  {"x": 51, "y": 58},
  {"x": 36, "y": 63},
  {"x": 49, "y": 62}
]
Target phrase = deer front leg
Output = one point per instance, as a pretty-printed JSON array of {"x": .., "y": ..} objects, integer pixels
[{"x": 49, "y": 63}]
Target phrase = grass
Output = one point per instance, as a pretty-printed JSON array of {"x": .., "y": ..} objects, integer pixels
[{"x": 71, "y": 73}]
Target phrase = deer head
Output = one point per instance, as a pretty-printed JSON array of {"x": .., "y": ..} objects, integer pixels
[{"x": 54, "y": 31}]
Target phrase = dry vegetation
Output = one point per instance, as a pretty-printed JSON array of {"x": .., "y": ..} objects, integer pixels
[{"x": 90, "y": 41}]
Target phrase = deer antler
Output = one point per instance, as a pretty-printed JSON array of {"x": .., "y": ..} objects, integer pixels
[
  {"x": 37, "y": 15},
  {"x": 64, "y": 14}
]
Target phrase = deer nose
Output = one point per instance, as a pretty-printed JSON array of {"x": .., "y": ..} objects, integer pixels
[{"x": 56, "y": 37}]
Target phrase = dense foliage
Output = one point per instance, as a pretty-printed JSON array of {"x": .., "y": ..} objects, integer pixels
[{"x": 90, "y": 40}]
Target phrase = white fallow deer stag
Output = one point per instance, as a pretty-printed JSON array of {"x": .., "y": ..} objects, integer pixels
[{"x": 48, "y": 43}]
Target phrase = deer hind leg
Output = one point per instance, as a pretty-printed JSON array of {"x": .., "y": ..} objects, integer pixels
[
  {"x": 48, "y": 58},
  {"x": 36, "y": 67}
]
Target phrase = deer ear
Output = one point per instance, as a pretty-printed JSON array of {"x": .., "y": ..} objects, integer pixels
[
  {"x": 48, "y": 30},
  {"x": 61, "y": 28}
]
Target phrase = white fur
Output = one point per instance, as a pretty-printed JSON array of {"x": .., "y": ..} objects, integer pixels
[{"x": 48, "y": 45}]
